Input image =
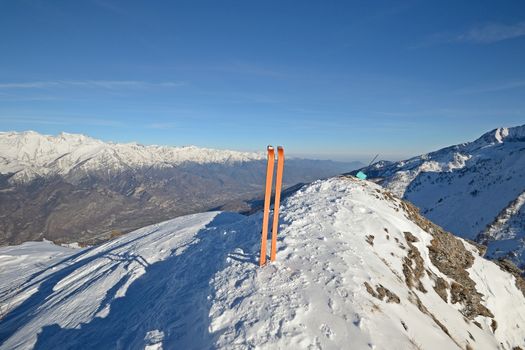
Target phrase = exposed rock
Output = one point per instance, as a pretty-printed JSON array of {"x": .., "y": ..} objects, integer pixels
[
  {"x": 470, "y": 299},
  {"x": 410, "y": 237},
  {"x": 413, "y": 265},
  {"x": 384, "y": 292},
  {"x": 494, "y": 325},
  {"x": 449, "y": 255},
  {"x": 441, "y": 287},
  {"x": 381, "y": 292}
]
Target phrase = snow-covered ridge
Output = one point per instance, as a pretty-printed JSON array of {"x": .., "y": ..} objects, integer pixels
[
  {"x": 448, "y": 159},
  {"x": 500, "y": 229},
  {"x": 500, "y": 135},
  {"x": 30, "y": 154},
  {"x": 464, "y": 187},
  {"x": 505, "y": 237},
  {"x": 356, "y": 268}
]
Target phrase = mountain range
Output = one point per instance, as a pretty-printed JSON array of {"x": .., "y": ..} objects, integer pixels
[
  {"x": 475, "y": 190},
  {"x": 73, "y": 188}
]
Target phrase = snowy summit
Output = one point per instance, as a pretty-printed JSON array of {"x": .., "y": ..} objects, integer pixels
[{"x": 357, "y": 268}]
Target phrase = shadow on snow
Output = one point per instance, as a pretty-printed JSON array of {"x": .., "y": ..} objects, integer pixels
[{"x": 171, "y": 298}]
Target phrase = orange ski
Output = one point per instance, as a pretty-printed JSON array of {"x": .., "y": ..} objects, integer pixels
[
  {"x": 267, "y": 199},
  {"x": 278, "y": 186}
]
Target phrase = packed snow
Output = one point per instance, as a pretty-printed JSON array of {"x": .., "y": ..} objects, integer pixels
[{"x": 194, "y": 283}]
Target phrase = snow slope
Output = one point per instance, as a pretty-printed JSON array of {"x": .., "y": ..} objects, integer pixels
[
  {"x": 356, "y": 268},
  {"x": 30, "y": 155},
  {"x": 471, "y": 189}
]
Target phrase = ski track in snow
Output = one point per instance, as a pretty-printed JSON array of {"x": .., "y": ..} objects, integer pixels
[{"x": 194, "y": 283}]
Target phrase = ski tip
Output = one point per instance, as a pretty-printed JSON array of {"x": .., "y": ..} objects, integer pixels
[{"x": 269, "y": 148}]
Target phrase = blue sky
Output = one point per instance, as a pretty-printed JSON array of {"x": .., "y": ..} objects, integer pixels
[{"x": 327, "y": 79}]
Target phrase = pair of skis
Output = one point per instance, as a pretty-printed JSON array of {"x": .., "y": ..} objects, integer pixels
[{"x": 267, "y": 200}]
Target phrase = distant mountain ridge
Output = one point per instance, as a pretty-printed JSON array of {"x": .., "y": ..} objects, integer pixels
[
  {"x": 475, "y": 189},
  {"x": 29, "y": 155},
  {"x": 74, "y": 188}
]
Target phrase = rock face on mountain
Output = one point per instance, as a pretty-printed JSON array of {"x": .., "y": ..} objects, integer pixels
[
  {"x": 356, "y": 268},
  {"x": 73, "y": 188},
  {"x": 475, "y": 190}
]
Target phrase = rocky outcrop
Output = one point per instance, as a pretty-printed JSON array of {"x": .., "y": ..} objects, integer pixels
[
  {"x": 449, "y": 255},
  {"x": 413, "y": 264},
  {"x": 381, "y": 293}
]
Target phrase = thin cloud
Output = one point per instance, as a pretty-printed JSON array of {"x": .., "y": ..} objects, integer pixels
[
  {"x": 251, "y": 69},
  {"x": 167, "y": 125},
  {"x": 481, "y": 35},
  {"x": 105, "y": 84},
  {"x": 236, "y": 67},
  {"x": 54, "y": 120},
  {"x": 448, "y": 113},
  {"x": 15, "y": 98},
  {"x": 509, "y": 85},
  {"x": 30, "y": 85},
  {"x": 491, "y": 33}
]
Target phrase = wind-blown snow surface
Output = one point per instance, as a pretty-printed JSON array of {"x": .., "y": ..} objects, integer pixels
[
  {"x": 30, "y": 155},
  {"x": 194, "y": 283}
]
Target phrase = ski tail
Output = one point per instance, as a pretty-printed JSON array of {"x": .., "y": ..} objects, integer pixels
[
  {"x": 278, "y": 187},
  {"x": 267, "y": 199}
]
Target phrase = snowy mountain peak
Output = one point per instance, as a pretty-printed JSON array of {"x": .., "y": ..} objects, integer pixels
[
  {"x": 500, "y": 135},
  {"x": 29, "y": 155},
  {"x": 356, "y": 268},
  {"x": 73, "y": 137}
]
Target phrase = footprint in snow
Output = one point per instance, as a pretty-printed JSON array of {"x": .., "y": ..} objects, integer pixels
[
  {"x": 343, "y": 293},
  {"x": 326, "y": 331},
  {"x": 331, "y": 304},
  {"x": 357, "y": 321}
]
